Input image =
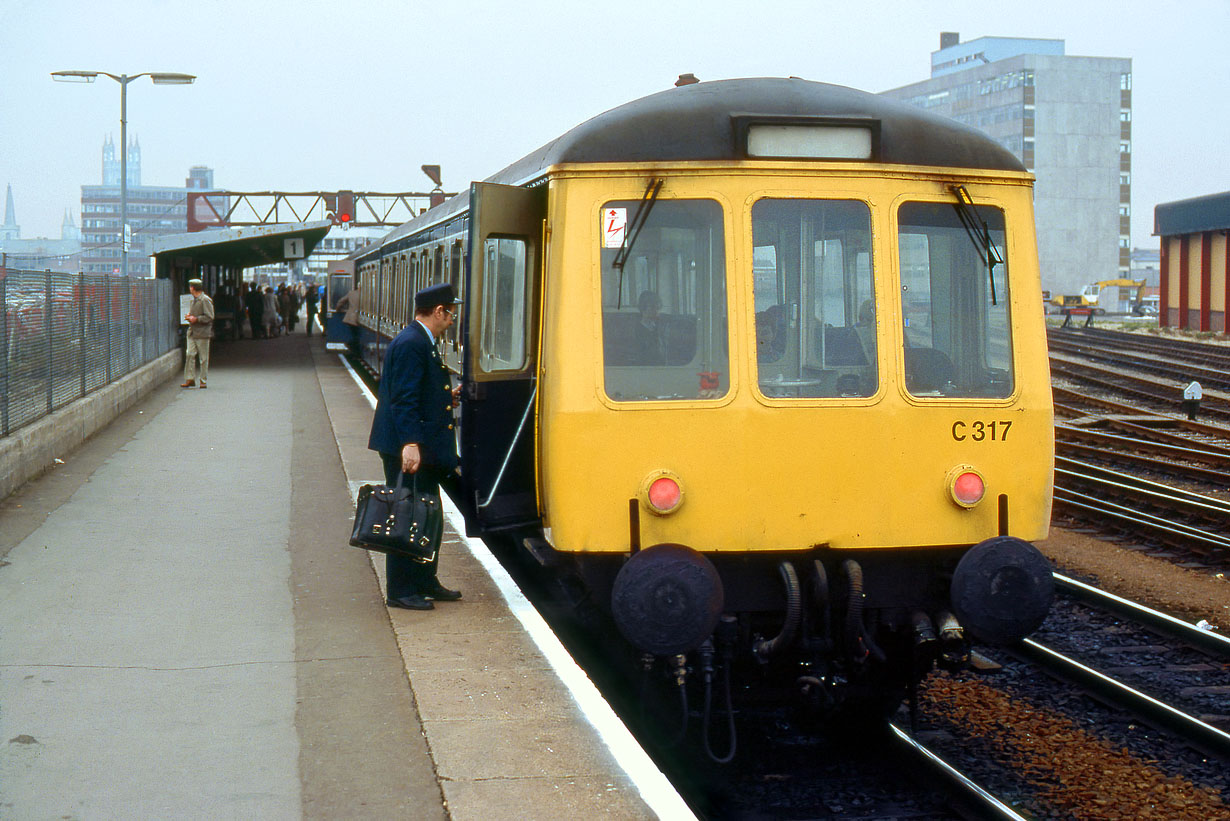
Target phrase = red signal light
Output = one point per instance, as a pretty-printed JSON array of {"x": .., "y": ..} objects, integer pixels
[{"x": 344, "y": 212}]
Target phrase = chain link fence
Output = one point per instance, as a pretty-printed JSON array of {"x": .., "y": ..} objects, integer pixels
[{"x": 64, "y": 335}]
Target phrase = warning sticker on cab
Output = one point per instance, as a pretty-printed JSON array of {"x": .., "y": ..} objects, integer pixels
[{"x": 614, "y": 221}]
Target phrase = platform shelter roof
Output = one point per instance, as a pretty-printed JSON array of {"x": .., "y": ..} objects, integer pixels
[{"x": 246, "y": 246}]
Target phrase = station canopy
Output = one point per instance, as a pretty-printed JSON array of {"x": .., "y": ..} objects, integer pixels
[{"x": 243, "y": 247}]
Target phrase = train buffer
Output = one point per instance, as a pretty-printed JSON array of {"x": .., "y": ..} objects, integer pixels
[{"x": 181, "y": 617}]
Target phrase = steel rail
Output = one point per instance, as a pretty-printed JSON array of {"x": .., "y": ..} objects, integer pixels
[
  {"x": 1207, "y": 376},
  {"x": 1212, "y": 477},
  {"x": 1091, "y": 372},
  {"x": 1203, "y": 428},
  {"x": 1147, "y": 433},
  {"x": 1201, "y": 353},
  {"x": 1207, "y": 641},
  {"x": 1185, "y": 451},
  {"x": 1202, "y": 736},
  {"x": 981, "y": 803},
  {"x": 1175, "y": 534},
  {"x": 1194, "y": 502}
]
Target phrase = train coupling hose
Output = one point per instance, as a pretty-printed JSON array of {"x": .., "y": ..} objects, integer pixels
[{"x": 766, "y": 649}]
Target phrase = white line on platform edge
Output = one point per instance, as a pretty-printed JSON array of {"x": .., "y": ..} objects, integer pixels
[{"x": 650, "y": 783}]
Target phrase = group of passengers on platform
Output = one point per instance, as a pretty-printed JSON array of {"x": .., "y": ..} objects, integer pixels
[{"x": 268, "y": 313}]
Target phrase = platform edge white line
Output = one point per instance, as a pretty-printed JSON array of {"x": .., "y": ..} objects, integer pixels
[{"x": 648, "y": 779}]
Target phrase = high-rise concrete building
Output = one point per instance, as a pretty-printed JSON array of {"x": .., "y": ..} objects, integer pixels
[
  {"x": 1069, "y": 120},
  {"x": 153, "y": 210}
]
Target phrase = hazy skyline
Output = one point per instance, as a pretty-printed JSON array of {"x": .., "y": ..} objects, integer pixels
[{"x": 322, "y": 96}]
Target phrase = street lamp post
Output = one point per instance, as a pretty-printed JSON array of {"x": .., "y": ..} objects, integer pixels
[{"x": 157, "y": 77}]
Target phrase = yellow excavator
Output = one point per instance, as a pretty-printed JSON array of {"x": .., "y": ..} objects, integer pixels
[{"x": 1088, "y": 297}]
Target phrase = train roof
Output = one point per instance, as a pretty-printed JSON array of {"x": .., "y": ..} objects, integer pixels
[{"x": 699, "y": 122}]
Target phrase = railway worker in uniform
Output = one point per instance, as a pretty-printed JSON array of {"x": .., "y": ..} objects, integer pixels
[
  {"x": 200, "y": 318},
  {"x": 413, "y": 431}
]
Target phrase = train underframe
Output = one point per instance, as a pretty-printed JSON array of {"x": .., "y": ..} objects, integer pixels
[{"x": 846, "y": 635}]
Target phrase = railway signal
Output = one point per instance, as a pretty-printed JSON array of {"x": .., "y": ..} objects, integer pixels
[{"x": 344, "y": 214}]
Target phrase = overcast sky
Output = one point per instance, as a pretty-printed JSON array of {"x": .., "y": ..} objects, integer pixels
[{"x": 307, "y": 95}]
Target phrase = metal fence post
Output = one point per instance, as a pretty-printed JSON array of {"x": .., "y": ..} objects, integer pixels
[
  {"x": 82, "y": 307},
  {"x": 110, "y": 322},
  {"x": 4, "y": 356},
  {"x": 47, "y": 326}
]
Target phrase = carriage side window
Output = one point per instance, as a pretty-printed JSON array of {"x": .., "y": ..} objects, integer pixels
[
  {"x": 503, "y": 337},
  {"x": 814, "y": 301},
  {"x": 954, "y": 307},
  {"x": 664, "y": 312}
]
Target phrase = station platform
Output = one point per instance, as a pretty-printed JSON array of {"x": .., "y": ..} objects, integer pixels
[{"x": 185, "y": 633}]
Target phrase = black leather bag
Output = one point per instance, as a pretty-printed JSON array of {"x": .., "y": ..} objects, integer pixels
[{"x": 398, "y": 520}]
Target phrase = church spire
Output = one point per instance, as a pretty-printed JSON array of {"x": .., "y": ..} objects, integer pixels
[
  {"x": 68, "y": 228},
  {"x": 10, "y": 229}
]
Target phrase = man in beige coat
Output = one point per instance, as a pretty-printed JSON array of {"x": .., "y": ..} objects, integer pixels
[{"x": 200, "y": 318}]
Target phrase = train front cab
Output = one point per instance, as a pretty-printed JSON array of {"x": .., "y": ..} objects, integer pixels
[{"x": 831, "y": 374}]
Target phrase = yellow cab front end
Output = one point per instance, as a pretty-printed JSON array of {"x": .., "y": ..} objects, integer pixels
[{"x": 782, "y": 357}]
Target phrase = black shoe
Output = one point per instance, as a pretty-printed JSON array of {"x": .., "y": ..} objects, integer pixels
[
  {"x": 414, "y": 601},
  {"x": 441, "y": 593}
]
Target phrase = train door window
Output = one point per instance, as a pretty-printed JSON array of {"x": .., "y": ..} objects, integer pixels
[
  {"x": 814, "y": 300},
  {"x": 339, "y": 286},
  {"x": 954, "y": 306},
  {"x": 664, "y": 326},
  {"x": 399, "y": 287},
  {"x": 408, "y": 296},
  {"x": 455, "y": 273},
  {"x": 502, "y": 343}
]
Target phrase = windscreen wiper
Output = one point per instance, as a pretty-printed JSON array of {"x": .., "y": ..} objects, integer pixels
[
  {"x": 633, "y": 230},
  {"x": 979, "y": 233}
]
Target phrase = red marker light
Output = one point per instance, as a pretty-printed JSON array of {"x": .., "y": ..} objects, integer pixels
[
  {"x": 968, "y": 489},
  {"x": 664, "y": 494}
]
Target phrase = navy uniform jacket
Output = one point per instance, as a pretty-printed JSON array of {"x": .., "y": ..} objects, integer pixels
[{"x": 415, "y": 401}]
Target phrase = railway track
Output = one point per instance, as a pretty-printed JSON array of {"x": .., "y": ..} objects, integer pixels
[
  {"x": 1162, "y": 363},
  {"x": 1106, "y": 688},
  {"x": 1196, "y": 353},
  {"x": 1195, "y": 462},
  {"x": 1153, "y": 512},
  {"x": 1136, "y": 725},
  {"x": 967, "y": 797},
  {"x": 1167, "y": 393}
]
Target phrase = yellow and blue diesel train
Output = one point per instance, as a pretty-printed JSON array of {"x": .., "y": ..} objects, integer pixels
[{"x": 761, "y": 363}]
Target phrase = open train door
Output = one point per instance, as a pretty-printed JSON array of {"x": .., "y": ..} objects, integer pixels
[{"x": 500, "y": 366}]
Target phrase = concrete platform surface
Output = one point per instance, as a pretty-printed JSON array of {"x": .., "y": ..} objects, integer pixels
[{"x": 184, "y": 633}]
